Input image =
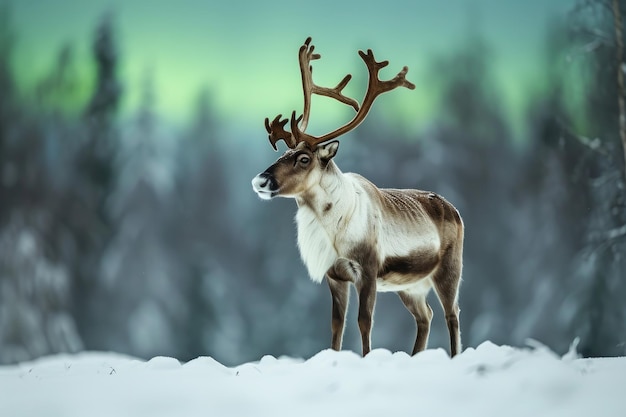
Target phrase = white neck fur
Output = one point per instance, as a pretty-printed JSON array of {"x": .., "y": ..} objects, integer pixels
[{"x": 320, "y": 216}]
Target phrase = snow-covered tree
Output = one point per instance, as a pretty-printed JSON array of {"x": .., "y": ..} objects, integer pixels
[{"x": 601, "y": 288}]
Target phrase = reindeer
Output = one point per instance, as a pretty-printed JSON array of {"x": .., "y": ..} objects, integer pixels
[{"x": 404, "y": 241}]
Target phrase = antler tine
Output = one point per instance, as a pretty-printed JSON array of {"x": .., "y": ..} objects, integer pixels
[
  {"x": 305, "y": 56},
  {"x": 277, "y": 131},
  {"x": 375, "y": 88}
]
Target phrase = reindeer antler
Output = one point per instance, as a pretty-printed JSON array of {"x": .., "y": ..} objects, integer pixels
[
  {"x": 305, "y": 56},
  {"x": 375, "y": 88},
  {"x": 277, "y": 131}
]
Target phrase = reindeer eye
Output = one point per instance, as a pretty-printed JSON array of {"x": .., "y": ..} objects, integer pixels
[{"x": 303, "y": 159}]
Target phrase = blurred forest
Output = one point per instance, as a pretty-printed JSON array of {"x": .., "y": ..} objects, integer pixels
[{"x": 133, "y": 236}]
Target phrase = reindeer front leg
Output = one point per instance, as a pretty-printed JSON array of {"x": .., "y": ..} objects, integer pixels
[
  {"x": 347, "y": 270},
  {"x": 366, "y": 288},
  {"x": 340, "y": 292},
  {"x": 339, "y": 276},
  {"x": 367, "y": 298}
]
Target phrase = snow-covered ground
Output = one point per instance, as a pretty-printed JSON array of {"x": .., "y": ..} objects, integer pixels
[{"x": 487, "y": 381}]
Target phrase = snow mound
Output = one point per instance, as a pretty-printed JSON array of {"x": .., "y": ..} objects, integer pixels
[{"x": 489, "y": 380}]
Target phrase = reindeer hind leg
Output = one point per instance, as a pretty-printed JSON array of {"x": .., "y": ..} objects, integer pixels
[
  {"x": 423, "y": 314},
  {"x": 446, "y": 281}
]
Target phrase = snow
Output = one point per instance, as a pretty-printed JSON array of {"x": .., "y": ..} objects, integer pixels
[{"x": 489, "y": 380}]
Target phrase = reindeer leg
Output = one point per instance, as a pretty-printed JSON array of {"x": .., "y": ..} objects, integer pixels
[
  {"x": 423, "y": 314},
  {"x": 446, "y": 281},
  {"x": 346, "y": 270},
  {"x": 340, "y": 292},
  {"x": 339, "y": 276},
  {"x": 367, "y": 298}
]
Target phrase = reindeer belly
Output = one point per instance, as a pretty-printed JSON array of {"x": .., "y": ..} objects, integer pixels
[
  {"x": 409, "y": 272},
  {"x": 400, "y": 283}
]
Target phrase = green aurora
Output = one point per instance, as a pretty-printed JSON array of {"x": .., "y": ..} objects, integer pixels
[{"x": 244, "y": 52}]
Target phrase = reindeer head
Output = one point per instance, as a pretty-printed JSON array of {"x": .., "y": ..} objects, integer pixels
[{"x": 308, "y": 156}]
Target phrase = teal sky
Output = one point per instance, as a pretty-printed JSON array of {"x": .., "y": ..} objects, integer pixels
[{"x": 245, "y": 51}]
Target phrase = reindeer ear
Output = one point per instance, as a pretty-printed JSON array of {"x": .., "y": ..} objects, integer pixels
[{"x": 327, "y": 151}]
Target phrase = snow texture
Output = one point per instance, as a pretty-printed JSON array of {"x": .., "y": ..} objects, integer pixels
[{"x": 487, "y": 381}]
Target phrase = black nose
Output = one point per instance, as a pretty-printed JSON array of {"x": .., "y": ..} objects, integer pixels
[{"x": 268, "y": 179}]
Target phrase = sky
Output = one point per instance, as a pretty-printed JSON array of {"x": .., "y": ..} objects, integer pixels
[{"x": 245, "y": 52}]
